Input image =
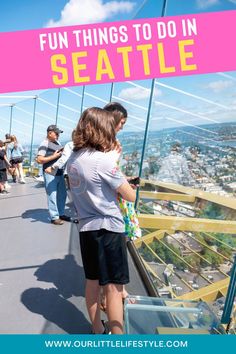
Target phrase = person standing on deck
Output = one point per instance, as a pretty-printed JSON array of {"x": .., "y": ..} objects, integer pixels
[
  {"x": 49, "y": 151},
  {"x": 95, "y": 181}
]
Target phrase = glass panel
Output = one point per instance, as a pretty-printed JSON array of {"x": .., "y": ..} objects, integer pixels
[
  {"x": 149, "y": 7},
  {"x": 184, "y": 261},
  {"x": 134, "y": 96},
  {"x": 97, "y": 95},
  {"x": 5, "y": 114},
  {"x": 191, "y": 139},
  {"x": 198, "y": 6},
  {"x": 146, "y": 315},
  {"x": 69, "y": 110}
]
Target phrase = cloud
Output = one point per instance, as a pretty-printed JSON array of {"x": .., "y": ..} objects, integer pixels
[
  {"x": 233, "y": 1},
  {"x": 137, "y": 93},
  {"x": 220, "y": 85},
  {"x": 204, "y": 4},
  {"x": 233, "y": 105},
  {"x": 78, "y": 12}
]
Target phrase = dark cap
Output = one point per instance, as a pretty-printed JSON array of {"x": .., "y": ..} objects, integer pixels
[{"x": 54, "y": 128}]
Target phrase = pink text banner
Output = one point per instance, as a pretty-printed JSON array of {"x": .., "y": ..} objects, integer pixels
[{"x": 118, "y": 51}]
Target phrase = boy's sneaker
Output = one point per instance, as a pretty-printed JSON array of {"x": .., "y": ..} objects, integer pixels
[
  {"x": 4, "y": 191},
  {"x": 106, "y": 328}
]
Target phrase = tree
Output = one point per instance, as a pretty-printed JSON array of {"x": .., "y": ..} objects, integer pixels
[
  {"x": 214, "y": 259},
  {"x": 227, "y": 252},
  {"x": 212, "y": 211},
  {"x": 194, "y": 261}
]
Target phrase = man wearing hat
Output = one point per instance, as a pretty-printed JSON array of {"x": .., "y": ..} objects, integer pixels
[{"x": 48, "y": 152}]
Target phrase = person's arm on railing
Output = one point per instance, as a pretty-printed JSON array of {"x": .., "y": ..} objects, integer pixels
[{"x": 127, "y": 192}]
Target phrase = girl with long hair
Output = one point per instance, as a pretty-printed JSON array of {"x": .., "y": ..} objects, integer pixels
[
  {"x": 15, "y": 152},
  {"x": 96, "y": 181}
]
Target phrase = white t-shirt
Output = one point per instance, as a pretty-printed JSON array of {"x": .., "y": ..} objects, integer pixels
[{"x": 94, "y": 178}]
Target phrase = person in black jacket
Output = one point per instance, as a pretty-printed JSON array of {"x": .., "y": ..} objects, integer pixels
[{"x": 4, "y": 163}]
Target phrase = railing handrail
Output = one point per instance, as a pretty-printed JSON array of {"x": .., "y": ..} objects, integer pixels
[{"x": 210, "y": 197}]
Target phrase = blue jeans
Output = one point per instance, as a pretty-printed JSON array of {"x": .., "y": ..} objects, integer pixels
[{"x": 56, "y": 194}]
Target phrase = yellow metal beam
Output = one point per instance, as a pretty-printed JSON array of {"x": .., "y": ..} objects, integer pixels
[
  {"x": 157, "y": 277},
  {"x": 188, "y": 248},
  {"x": 151, "y": 271},
  {"x": 183, "y": 260},
  {"x": 197, "y": 254},
  {"x": 208, "y": 293},
  {"x": 211, "y": 197},
  {"x": 167, "y": 196},
  {"x": 33, "y": 171},
  {"x": 176, "y": 254},
  {"x": 186, "y": 224},
  {"x": 218, "y": 240},
  {"x": 149, "y": 237},
  {"x": 210, "y": 248},
  {"x": 167, "y": 266}
]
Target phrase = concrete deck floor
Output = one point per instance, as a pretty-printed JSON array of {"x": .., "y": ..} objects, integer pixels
[{"x": 41, "y": 273}]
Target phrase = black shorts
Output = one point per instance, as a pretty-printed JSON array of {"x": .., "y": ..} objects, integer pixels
[
  {"x": 104, "y": 256},
  {"x": 16, "y": 160},
  {"x": 3, "y": 175}
]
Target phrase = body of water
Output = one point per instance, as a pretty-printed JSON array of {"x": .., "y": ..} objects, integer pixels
[{"x": 230, "y": 143}]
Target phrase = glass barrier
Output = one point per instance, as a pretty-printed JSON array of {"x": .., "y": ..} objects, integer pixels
[
  {"x": 146, "y": 315},
  {"x": 180, "y": 137},
  {"x": 197, "y": 6},
  {"x": 134, "y": 96},
  {"x": 97, "y": 95}
]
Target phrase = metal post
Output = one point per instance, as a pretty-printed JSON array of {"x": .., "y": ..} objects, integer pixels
[
  {"x": 230, "y": 297},
  {"x": 111, "y": 93},
  {"x": 145, "y": 137},
  {"x": 32, "y": 134},
  {"x": 164, "y": 6},
  {"x": 146, "y": 127},
  {"x": 82, "y": 100},
  {"x": 58, "y": 102},
  {"x": 11, "y": 117}
]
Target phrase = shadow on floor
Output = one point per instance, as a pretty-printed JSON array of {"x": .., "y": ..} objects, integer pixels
[
  {"x": 42, "y": 215},
  {"x": 36, "y": 215},
  {"x": 56, "y": 309},
  {"x": 38, "y": 185},
  {"x": 65, "y": 274},
  {"x": 68, "y": 278}
]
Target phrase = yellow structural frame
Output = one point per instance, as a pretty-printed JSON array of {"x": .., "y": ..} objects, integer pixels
[
  {"x": 176, "y": 188},
  {"x": 209, "y": 292},
  {"x": 167, "y": 196},
  {"x": 168, "y": 224},
  {"x": 173, "y": 223}
]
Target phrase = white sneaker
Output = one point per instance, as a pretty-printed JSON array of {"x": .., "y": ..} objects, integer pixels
[
  {"x": 39, "y": 179},
  {"x": 22, "y": 181},
  {"x": 7, "y": 186}
]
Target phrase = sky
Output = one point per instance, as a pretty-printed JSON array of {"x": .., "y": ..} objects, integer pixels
[
  {"x": 178, "y": 101},
  {"x": 27, "y": 14}
]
